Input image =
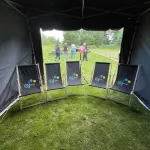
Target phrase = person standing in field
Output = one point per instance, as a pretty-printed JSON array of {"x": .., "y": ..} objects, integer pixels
[
  {"x": 65, "y": 51},
  {"x": 85, "y": 52},
  {"x": 73, "y": 51},
  {"x": 57, "y": 49}
]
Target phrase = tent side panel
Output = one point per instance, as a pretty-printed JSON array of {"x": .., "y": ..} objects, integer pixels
[
  {"x": 37, "y": 46},
  {"x": 141, "y": 56},
  {"x": 127, "y": 40},
  {"x": 15, "y": 49}
]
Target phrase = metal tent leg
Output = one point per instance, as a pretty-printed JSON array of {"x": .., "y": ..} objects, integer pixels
[
  {"x": 3, "y": 116},
  {"x": 21, "y": 105},
  {"x": 130, "y": 99}
]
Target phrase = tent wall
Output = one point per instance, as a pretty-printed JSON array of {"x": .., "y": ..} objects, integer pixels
[
  {"x": 127, "y": 39},
  {"x": 15, "y": 49},
  {"x": 141, "y": 56},
  {"x": 37, "y": 46}
]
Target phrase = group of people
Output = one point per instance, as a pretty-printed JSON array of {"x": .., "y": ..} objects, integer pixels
[{"x": 83, "y": 50}]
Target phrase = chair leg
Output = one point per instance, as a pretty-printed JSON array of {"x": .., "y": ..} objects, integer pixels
[
  {"x": 130, "y": 99},
  {"x": 21, "y": 103},
  {"x": 65, "y": 92},
  {"x": 3, "y": 116},
  {"x": 107, "y": 93}
]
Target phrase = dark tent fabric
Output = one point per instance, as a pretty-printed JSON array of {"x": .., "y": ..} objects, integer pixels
[
  {"x": 127, "y": 39},
  {"x": 100, "y": 75},
  {"x": 15, "y": 49},
  {"x": 29, "y": 80},
  {"x": 74, "y": 15},
  {"x": 53, "y": 76},
  {"x": 37, "y": 47},
  {"x": 145, "y": 102},
  {"x": 20, "y": 39},
  {"x": 125, "y": 79},
  {"x": 141, "y": 56},
  {"x": 73, "y": 73}
]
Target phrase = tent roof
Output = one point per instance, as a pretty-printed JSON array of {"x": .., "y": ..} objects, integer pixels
[{"x": 76, "y": 14}]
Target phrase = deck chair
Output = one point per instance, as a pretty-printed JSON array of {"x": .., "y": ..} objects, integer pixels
[
  {"x": 126, "y": 79},
  {"x": 100, "y": 77},
  {"x": 29, "y": 81},
  {"x": 74, "y": 76},
  {"x": 53, "y": 78}
]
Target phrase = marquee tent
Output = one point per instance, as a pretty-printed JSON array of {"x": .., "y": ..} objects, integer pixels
[{"x": 20, "y": 42}]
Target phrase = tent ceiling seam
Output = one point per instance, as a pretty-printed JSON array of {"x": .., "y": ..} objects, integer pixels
[
  {"x": 118, "y": 11},
  {"x": 58, "y": 13},
  {"x": 145, "y": 12},
  {"x": 113, "y": 12},
  {"x": 7, "y": 1},
  {"x": 82, "y": 8}
]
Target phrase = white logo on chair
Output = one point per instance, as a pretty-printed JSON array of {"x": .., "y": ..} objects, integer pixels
[
  {"x": 73, "y": 76},
  {"x": 100, "y": 78},
  {"x": 31, "y": 82},
  {"x": 54, "y": 79},
  {"x": 125, "y": 82}
]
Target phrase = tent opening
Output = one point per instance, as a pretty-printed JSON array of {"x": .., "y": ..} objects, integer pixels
[{"x": 103, "y": 46}]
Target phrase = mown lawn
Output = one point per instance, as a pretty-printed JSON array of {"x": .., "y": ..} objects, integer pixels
[
  {"x": 109, "y": 52},
  {"x": 77, "y": 122}
]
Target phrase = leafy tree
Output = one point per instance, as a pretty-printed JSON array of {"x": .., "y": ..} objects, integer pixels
[
  {"x": 94, "y": 38},
  {"x": 48, "y": 40}
]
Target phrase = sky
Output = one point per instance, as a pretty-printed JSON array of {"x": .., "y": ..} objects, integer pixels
[{"x": 54, "y": 33}]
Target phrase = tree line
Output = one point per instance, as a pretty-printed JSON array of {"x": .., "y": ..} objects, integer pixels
[{"x": 92, "y": 38}]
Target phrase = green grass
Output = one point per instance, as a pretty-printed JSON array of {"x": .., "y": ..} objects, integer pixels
[
  {"x": 112, "y": 53},
  {"x": 77, "y": 122}
]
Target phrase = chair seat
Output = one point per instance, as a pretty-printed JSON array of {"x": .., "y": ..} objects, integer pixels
[
  {"x": 75, "y": 84},
  {"x": 97, "y": 86},
  {"x": 56, "y": 88},
  {"x": 120, "y": 91}
]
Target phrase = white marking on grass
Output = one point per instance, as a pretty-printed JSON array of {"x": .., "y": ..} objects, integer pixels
[{"x": 106, "y": 56}]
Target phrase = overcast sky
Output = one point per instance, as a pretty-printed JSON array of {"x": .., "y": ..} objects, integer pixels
[{"x": 54, "y": 33}]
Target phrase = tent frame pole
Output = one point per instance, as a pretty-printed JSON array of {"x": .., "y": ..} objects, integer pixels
[
  {"x": 42, "y": 85},
  {"x": 59, "y": 13},
  {"x": 105, "y": 11},
  {"x": 108, "y": 82},
  {"x": 9, "y": 3},
  {"x": 3, "y": 116},
  {"x": 91, "y": 79},
  {"x": 19, "y": 87},
  {"x": 82, "y": 9},
  {"x": 65, "y": 93},
  {"x": 135, "y": 81},
  {"x": 31, "y": 41},
  {"x": 141, "y": 102}
]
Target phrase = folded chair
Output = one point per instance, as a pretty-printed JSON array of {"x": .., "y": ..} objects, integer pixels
[
  {"x": 54, "y": 78},
  {"x": 100, "y": 77},
  {"x": 29, "y": 81},
  {"x": 126, "y": 79},
  {"x": 74, "y": 75}
]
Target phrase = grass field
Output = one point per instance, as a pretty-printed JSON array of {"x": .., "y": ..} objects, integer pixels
[
  {"x": 112, "y": 53},
  {"x": 77, "y": 122}
]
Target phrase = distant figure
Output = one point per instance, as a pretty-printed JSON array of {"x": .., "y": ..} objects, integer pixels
[
  {"x": 65, "y": 51},
  {"x": 73, "y": 51},
  {"x": 57, "y": 49},
  {"x": 85, "y": 51}
]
